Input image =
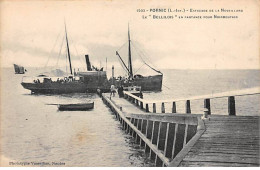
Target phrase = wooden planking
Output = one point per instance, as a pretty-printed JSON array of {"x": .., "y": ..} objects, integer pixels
[
  {"x": 221, "y": 157},
  {"x": 179, "y": 157},
  {"x": 227, "y": 141},
  {"x": 215, "y": 164},
  {"x": 127, "y": 107},
  {"x": 152, "y": 147}
]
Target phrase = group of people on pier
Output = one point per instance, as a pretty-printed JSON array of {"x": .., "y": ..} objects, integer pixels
[{"x": 120, "y": 90}]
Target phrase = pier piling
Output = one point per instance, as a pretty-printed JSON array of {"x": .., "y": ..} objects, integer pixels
[
  {"x": 173, "y": 107},
  {"x": 147, "y": 107},
  {"x": 188, "y": 110},
  {"x": 207, "y": 105},
  {"x": 154, "y": 107},
  {"x": 141, "y": 105},
  {"x": 231, "y": 106},
  {"x": 163, "y": 108}
]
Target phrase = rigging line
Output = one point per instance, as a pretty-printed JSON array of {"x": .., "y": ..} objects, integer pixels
[
  {"x": 60, "y": 50},
  {"x": 138, "y": 52},
  {"x": 122, "y": 46},
  {"x": 66, "y": 61},
  {"x": 144, "y": 54},
  {"x": 80, "y": 58},
  {"x": 166, "y": 87},
  {"x": 52, "y": 49},
  {"x": 81, "y": 61},
  {"x": 148, "y": 64},
  {"x": 58, "y": 56},
  {"x": 154, "y": 69},
  {"x": 138, "y": 69}
]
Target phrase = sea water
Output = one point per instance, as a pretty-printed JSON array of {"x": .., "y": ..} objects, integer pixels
[{"x": 38, "y": 134}]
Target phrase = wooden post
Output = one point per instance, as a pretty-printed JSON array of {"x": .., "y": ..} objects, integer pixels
[
  {"x": 158, "y": 135},
  {"x": 154, "y": 107},
  {"x": 188, "y": 107},
  {"x": 166, "y": 139},
  {"x": 127, "y": 128},
  {"x": 158, "y": 140},
  {"x": 174, "y": 139},
  {"x": 147, "y": 107},
  {"x": 134, "y": 133},
  {"x": 207, "y": 105},
  {"x": 142, "y": 121},
  {"x": 173, "y": 107},
  {"x": 185, "y": 134},
  {"x": 146, "y": 132},
  {"x": 163, "y": 108},
  {"x": 152, "y": 139},
  {"x": 141, "y": 105},
  {"x": 231, "y": 106},
  {"x": 136, "y": 136},
  {"x": 132, "y": 121}
]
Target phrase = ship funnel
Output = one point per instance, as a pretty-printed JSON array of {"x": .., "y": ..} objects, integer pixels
[{"x": 88, "y": 63}]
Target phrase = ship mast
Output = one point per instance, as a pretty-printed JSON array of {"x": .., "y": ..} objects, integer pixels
[
  {"x": 68, "y": 48},
  {"x": 129, "y": 55}
]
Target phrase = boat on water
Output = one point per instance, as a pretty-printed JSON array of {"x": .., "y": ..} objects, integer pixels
[
  {"x": 80, "y": 82},
  {"x": 147, "y": 83},
  {"x": 76, "y": 107},
  {"x": 19, "y": 69}
]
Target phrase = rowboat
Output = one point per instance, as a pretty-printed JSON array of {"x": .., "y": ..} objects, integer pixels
[{"x": 75, "y": 107}]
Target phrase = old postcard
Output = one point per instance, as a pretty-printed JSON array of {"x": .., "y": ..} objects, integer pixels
[{"x": 116, "y": 83}]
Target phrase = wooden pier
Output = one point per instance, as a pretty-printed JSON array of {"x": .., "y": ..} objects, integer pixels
[{"x": 174, "y": 139}]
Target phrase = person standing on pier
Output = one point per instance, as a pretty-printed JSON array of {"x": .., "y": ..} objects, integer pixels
[
  {"x": 120, "y": 91},
  {"x": 113, "y": 90}
]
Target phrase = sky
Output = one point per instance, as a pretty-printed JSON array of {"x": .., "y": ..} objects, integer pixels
[{"x": 32, "y": 32}]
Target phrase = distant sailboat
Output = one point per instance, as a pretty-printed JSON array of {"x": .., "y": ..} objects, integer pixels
[
  {"x": 19, "y": 69},
  {"x": 147, "y": 83}
]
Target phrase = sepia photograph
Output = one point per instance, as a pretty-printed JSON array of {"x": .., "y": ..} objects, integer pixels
[{"x": 120, "y": 83}]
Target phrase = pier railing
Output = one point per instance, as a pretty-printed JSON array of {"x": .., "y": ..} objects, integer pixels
[
  {"x": 169, "y": 139},
  {"x": 146, "y": 104},
  {"x": 163, "y": 136}
]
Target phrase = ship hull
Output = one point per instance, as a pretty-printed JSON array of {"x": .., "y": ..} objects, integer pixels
[
  {"x": 58, "y": 88},
  {"x": 148, "y": 83},
  {"x": 89, "y": 83}
]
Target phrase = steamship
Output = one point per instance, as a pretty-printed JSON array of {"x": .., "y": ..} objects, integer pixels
[{"x": 80, "y": 82}]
